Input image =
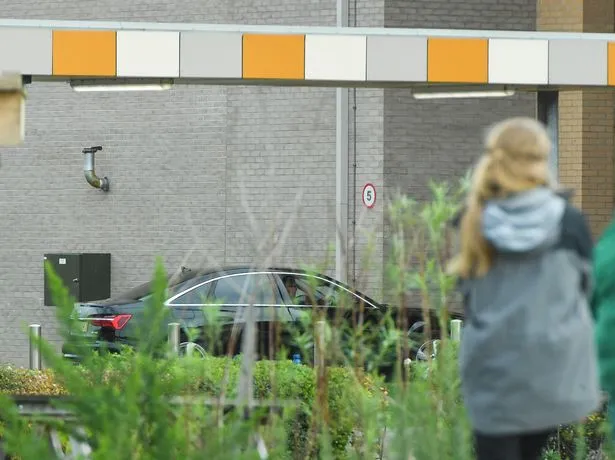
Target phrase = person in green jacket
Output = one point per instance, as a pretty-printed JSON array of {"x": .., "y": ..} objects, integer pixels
[{"x": 603, "y": 309}]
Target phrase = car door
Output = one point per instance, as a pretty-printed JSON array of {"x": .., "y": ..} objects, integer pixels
[
  {"x": 314, "y": 292},
  {"x": 272, "y": 315},
  {"x": 209, "y": 310},
  {"x": 219, "y": 309},
  {"x": 343, "y": 309},
  {"x": 225, "y": 305},
  {"x": 310, "y": 302}
]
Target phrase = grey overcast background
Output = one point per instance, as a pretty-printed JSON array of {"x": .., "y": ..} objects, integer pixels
[{"x": 215, "y": 174}]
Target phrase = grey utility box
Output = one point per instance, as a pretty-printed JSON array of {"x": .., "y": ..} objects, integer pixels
[{"x": 86, "y": 275}]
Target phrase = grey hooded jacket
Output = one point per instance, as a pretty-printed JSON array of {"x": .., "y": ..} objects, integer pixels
[{"x": 527, "y": 357}]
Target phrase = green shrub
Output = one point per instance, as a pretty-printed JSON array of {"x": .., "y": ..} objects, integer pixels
[
  {"x": 122, "y": 401},
  {"x": 19, "y": 381},
  {"x": 576, "y": 441},
  {"x": 279, "y": 380}
]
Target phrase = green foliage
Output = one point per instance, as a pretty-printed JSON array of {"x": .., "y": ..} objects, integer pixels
[
  {"x": 124, "y": 395},
  {"x": 123, "y": 402},
  {"x": 572, "y": 442},
  {"x": 427, "y": 418},
  {"x": 126, "y": 405},
  {"x": 22, "y": 381}
]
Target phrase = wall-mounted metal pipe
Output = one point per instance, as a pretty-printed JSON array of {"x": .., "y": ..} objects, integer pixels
[{"x": 90, "y": 172}]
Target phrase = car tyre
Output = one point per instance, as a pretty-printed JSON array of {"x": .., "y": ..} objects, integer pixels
[
  {"x": 192, "y": 349},
  {"x": 426, "y": 348}
]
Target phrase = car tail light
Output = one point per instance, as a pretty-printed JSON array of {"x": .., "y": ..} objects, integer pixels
[{"x": 116, "y": 322}]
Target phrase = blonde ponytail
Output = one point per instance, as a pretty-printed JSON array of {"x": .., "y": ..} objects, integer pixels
[
  {"x": 475, "y": 255},
  {"x": 516, "y": 160}
]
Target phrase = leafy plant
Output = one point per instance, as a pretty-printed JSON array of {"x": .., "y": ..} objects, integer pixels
[
  {"x": 373, "y": 399},
  {"x": 427, "y": 416}
]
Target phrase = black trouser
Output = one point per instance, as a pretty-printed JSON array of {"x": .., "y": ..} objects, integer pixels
[{"x": 528, "y": 446}]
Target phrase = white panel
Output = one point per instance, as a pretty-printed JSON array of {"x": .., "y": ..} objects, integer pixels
[
  {"x": 147, "y": 54},
  {"x": 518, "y": 61},
  {"x": 335, "y": 57}
]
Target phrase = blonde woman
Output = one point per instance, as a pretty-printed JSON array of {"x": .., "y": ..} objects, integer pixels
[{"x": 527, "y": 358}]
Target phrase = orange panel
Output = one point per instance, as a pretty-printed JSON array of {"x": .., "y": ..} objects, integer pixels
[
  {"x": 611, "y": 63},
  {"x": 274, "y": 56},
  {"x": 87, "y": 53},
  {"x": 458, "y": 60}
]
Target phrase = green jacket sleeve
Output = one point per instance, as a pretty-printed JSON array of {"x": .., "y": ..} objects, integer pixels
[
  {"x": 603, "y": 271},
  {"x": 594, "y": 301},
  {"x": 603, "y": 306}
]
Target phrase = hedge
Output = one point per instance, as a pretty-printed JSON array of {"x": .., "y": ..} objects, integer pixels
[
  {"x": 20, "y": 381},
  {"x": 280, "y": 380}
]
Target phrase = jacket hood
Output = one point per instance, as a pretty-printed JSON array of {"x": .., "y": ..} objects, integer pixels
[{"x": 524, "y": 222}]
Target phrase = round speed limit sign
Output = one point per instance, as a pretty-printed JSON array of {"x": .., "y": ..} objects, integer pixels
[{"x": 369, "y": 195}]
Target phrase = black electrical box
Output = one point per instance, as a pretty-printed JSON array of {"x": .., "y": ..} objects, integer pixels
[{"x": 86, "y": 275}]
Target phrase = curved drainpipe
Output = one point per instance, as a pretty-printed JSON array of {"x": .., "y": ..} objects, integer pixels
[{"x": 89, "y": 172}]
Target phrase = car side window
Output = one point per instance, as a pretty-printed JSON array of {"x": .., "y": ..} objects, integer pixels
[
  {"x": 324, "y": 292},
  {"x": 263, "y": 290},
  {"x": 308, "y": 291},
  {"x": 232, "y": 290},
  {"x": 299, "y": 289},
  {"x": 235, "y": 290},
  {"x": 196, "y": 296},
  {"x": 244, "y": 289}
]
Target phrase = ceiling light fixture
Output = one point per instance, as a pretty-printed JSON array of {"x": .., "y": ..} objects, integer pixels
[
  {"x": 463, "y": 94},
  {"x": 118, "y": 85}
]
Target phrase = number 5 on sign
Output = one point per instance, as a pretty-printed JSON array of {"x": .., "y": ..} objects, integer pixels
[{"x": 369, "y": 195}]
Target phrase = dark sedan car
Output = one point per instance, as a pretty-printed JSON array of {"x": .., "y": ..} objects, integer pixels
[{"x": 279, "y": 296}]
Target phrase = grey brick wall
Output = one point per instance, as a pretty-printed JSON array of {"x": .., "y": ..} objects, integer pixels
[
  {"x": 280, "y": 173},
  {"x": 217, "y": 174},
  {"x": 299, "y": 180},
  {"x": 198, "y": 174},
  {"x": 466, "y": 14},
  {"x": 165, "y": 155},
  {"x": 441, "y": 139}
]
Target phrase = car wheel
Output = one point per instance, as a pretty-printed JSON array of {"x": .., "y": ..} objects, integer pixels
[
  {"x": 192, "y": 349},
  {"x": 428, "y": 348}
]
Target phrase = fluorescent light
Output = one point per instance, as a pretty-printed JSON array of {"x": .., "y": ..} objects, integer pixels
[
  {"x": 118, "y": 85},
  {"x": 103, "y": 88},
  {"x": 462, "y": 94}
]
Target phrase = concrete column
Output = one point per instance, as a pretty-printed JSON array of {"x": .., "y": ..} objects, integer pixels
[{"x": 586, "y": 120}]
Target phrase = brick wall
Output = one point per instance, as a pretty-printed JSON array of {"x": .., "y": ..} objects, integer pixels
[
  {"x": 164, "y": 153},
  {"x": 585, "y": 117},
  {"x": 469, "y": 14},
  {"x": 216, "y": 174},
  {"x": 560, "y": 15},
  {"x": 441, "y": 139},
  {"x": 304, "y": 190},
  {"x": 199, "y": 175}
]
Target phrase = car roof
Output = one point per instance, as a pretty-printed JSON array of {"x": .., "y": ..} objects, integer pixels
[{"x": 184, "y": 274}]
